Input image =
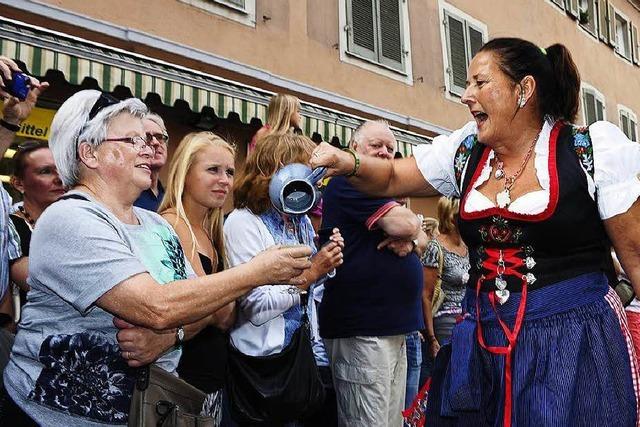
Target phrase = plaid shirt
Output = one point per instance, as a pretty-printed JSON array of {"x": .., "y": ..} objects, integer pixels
[{"x": 9, "y": 241}]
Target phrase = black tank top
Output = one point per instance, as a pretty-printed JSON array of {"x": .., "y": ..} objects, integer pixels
[{"x": 204, "y": 357}]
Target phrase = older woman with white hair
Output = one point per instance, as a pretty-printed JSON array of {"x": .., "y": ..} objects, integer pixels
[{"x": 95, "y": 256}]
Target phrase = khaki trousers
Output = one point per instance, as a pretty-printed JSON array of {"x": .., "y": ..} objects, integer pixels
[{"x": 369, "y": 376}]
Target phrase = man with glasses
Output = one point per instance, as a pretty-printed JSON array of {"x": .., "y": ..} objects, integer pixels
[{"x": 158, "y": 139}]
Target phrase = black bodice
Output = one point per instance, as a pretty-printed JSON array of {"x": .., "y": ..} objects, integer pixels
[{"x": 564, "y": 241}]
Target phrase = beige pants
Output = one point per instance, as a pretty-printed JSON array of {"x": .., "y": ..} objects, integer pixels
[{"x": 369, "y": 376}]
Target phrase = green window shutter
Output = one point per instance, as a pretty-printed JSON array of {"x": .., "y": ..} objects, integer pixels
[
  {"x": 603, "y": 6},
  {"x": 457, "y": 52},
  {"x": 362, "y": 35},
  {"x": 589, "y": 103},
  {"x": 635, "y": 48},
  {"x": 390, "y": 34},
  {"x": 475, "y": 41},
  {"x": 624, "y": 124},
  {"x": 599, "y": 110},
  {"x": 571, "y": 6},
  {"x": 611, "y": 18}
]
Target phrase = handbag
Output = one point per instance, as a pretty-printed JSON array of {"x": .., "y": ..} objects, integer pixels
[
  {"x": 438, "y": 294},
  {"x": 161, "y": 399},
  {"x": 277, "y": 388}
]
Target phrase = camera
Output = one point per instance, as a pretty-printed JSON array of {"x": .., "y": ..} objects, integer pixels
[{"x": 18, "y": 86}]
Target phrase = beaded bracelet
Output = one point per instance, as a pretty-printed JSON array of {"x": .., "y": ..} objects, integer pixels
[{"x": 356, "y": 160}]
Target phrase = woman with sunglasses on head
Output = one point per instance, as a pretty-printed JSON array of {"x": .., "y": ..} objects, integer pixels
[
  {"x": 543, "y": 339},
  {"x": 95, "y": 258},
  {"x": 35, "y": 176}
]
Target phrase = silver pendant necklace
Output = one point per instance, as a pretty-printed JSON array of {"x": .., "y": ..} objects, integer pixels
[{"x": 503, "y": 198}]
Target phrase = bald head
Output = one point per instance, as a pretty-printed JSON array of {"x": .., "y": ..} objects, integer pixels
[{"x": 374, "y": 138}]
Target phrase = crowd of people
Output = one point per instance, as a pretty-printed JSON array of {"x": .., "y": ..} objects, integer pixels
[{"x": 502, "y": 311}]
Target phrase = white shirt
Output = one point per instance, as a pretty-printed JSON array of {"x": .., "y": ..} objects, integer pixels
[
  {"x": 259, "y": 328},
  {"x": 615, "y": 180}
]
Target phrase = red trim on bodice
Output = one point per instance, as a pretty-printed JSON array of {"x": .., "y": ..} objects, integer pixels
[{"x": 504, "y": 212}]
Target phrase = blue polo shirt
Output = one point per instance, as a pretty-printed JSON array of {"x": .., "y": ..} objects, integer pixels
[
  {"x": 149, "y": 201},
  {"x": 374, "y": 292}
]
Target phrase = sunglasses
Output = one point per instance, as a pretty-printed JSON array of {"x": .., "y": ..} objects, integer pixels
[
  {"x": 31, "y": 145},
  {"x": 105, "y": 100}
]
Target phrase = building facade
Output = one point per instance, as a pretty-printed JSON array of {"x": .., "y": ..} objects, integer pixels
[{"x": 213, "y": 64}]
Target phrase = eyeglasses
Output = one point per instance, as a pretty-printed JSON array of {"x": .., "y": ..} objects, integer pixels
[
  {"x": 138, "y": 142},
  {"x": 162, "y": 138}
]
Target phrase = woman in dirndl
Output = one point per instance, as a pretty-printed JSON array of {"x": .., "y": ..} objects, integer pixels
[{"x": 543, "y": 340}]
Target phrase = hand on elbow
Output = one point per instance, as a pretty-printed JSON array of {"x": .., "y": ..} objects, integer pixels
[{"x": 140, "y": 346}]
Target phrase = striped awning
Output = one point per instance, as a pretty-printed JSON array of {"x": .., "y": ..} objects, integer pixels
[{"x": 42, "y": 50}]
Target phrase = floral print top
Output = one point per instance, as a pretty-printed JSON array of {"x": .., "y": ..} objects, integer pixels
[
  {"x": 66, "y": 367},
  {"x": 455, "y": 274}
]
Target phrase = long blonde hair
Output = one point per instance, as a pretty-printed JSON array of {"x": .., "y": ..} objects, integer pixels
[
  {"x": 281, "y": 108},
  {"x": 183, "y": 159}
]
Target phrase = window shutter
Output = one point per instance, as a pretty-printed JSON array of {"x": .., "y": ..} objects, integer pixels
[
  {"x": 612, "y": 26},
  {"x": 589, "y": 103},
  {"x": 457, "y": 54},
  {"x": 633, "y": 127},
  {"x": 362, "y": 36},
  {"x": 635, "y": 44},
  {"x": 390, "y": 33},
  {"x": 599, "y": 110},
  {"x": 475, "y": 41},
  {"x": 572, "y": 7},
  {"x": 624, "y": 124},
  {"x": 603, "y": 5},
  {"x": 559, "y": 3}
]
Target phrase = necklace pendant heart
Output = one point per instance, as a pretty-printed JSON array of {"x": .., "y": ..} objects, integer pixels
[
  {"x": 503, "y": 198},
  {"x": 503, "y": 295},
  {"x": 499, "y": 174}
]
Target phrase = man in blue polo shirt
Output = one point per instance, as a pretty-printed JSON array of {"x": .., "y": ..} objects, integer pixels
[
  {"x": 374, "y": 298},
  {"x": 156, "y": 131}
]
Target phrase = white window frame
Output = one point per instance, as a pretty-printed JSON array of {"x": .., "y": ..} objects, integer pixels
[
  {"x": 444, "y": 9},
  {"x": 246, "y": 16},
  {"x": 623, "y": 17},
  {"x": 406, "y": 75},
  {"x": 623, "y": 110},
  {"x": 585, "y": 87},
  {"x": 595, "y": 18}
]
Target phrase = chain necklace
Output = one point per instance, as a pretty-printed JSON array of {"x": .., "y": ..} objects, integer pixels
[
  {"x": 31, "y": 221},
  {"x": 503, "y": 198}
]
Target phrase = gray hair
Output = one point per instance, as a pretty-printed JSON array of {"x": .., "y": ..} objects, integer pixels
[
  {"x": 356, "y": 136},
  {"x": 155, "y": 118},
  {"x": 71, "y": 125}
]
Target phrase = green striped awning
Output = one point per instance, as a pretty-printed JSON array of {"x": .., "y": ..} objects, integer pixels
[{"x": 42, "y": 50}]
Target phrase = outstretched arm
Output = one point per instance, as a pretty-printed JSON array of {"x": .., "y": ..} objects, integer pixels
[{"x": 378, "y": 177}]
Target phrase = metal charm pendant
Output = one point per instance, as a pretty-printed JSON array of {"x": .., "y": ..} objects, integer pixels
[
  {"x": 530, "y": 278},
  {"x": 499, "y": 174},
  {"x": 503, "y": 198},
  {"x": 503, "y": 295},
  {"x": 529, "y": 262},
  {"x": 501, "y": 284}
]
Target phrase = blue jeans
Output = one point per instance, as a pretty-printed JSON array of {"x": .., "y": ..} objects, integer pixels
[{"x": 414, "y": 362}]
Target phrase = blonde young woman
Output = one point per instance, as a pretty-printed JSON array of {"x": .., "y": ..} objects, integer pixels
[{"x": 283, "y": 116}]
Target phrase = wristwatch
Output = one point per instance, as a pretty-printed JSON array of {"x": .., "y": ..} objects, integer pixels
[{"x": 179, "y": 336}]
